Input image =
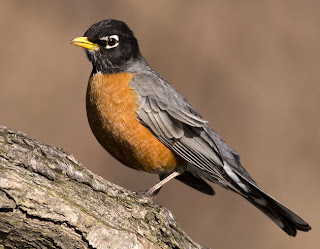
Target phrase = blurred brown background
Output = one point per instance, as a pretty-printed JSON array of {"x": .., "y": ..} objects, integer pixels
[{"x": 249, "y": 67}]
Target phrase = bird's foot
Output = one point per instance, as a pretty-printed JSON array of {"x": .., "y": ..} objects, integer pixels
[{"x": 150, "y": 193}]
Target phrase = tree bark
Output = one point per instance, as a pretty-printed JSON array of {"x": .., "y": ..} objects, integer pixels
[{"x": 49, "y": 200}]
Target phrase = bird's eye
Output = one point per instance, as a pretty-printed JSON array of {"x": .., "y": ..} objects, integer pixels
[{"x": 112, "y": 41}]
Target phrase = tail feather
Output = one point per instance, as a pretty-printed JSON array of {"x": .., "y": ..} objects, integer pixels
[
  {"x": 278, "y": 213},
  {"x": 287, "y": 220}
]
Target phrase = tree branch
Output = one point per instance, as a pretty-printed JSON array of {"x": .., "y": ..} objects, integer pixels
[{"x": 49, "y": 200}]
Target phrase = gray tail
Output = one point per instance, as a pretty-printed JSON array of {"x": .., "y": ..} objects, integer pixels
[{"x": 287, "y": 220}]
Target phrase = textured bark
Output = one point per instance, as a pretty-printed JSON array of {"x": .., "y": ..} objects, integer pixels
[{"x": 49, "y": 200}]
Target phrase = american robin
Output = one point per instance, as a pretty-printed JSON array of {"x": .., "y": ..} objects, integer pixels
[{"x": 142, "y": 121}]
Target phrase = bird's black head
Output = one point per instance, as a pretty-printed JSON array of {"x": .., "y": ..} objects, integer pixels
[{"x": 110, "y": 46}]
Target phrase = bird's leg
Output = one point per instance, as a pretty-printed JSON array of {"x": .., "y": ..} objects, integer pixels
[{"x": 153, "y": 191}]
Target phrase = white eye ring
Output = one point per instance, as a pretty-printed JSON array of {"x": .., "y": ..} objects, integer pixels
[{"x": 109, "y": 38}]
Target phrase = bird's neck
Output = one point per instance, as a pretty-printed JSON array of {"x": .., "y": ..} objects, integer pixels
[{"x": 133, "y": 65}]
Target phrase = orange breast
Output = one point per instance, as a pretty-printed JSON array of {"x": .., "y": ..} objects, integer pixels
[{"x": 111, "y": 108}]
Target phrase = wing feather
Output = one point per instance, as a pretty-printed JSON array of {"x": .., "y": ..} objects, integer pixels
[{"x": 177, "y": 125}]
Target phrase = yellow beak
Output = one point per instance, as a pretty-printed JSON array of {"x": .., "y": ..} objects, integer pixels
[{"x": 83, "y": 42}]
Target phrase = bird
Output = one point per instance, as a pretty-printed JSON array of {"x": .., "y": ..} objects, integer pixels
[{"x": 147, "y": 125}]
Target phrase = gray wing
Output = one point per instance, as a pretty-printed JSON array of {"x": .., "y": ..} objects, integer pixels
[
  {"x": 170, "y": 117},
  {"x": 176, "y": 124}
]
